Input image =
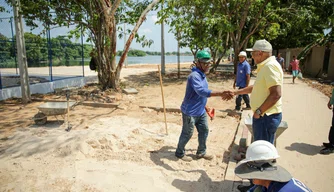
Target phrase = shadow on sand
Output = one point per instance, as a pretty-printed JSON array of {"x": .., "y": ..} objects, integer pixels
[
  {"x": 304, "y": 148},
  {"x": 203, "y": 183}
]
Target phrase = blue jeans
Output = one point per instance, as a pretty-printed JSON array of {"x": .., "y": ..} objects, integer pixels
[
  {"x": 189, "y": 123},
  {"x": 239, "y": 99},
  {"x": 264, "y": 128}
]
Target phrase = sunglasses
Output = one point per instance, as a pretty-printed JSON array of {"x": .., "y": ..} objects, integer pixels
[{"x": 205, "y": 64}]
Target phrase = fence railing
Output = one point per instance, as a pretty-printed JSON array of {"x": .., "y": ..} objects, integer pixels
[{"x": 45, "y": 53}]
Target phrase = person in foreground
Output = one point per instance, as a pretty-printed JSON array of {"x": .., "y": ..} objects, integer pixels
[
  {"x": 329, "y": 147},
  {"x": 194, "y": 107},
  {"x": 266, "y": 175},
  {"x": 265, "y": 100}
]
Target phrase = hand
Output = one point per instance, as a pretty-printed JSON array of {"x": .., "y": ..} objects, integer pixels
[
  {"x": 256, "y": 116},
  {"x": 227, "y": 95},
  {"x": 330, "y": 106}
]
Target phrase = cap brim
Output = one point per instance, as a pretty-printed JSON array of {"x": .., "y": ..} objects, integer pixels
[
  {"x": 250, "y": 49},
  {"x": 204, "y": 60},
  {"x": 280, "y": 174}
]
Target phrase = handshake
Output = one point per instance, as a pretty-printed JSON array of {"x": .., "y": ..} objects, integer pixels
[{"x": 227, "y": 95}]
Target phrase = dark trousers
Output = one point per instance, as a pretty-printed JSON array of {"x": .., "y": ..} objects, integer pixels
[
  {"x": 331, "y": 131},
  {"x": 239, "y": 99}
]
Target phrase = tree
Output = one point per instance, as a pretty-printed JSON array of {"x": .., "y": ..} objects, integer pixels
[
  {"x": 5, "y": 46},
  {"x": 34, "y": 48},
  {"x": 198, "y": 25},
  {"x": 21, "y": 54},
  {"x": 100, "y": 19},
  {"x": 306, "y": 26}
]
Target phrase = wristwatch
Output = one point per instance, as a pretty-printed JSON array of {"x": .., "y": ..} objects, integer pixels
[{"x": 258, "y": 111}]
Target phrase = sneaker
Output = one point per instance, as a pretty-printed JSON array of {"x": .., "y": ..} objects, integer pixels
[
  {"x": 326, "y": 151},
  {"x": 244, "y": 188},
  {"x": 239, "y": 156},
  {"x": 205, "y": 156},
  {"x": 248, "y": 107},
  {"x": 186, "y": 158},
  {"x": 328, "y": 145}
]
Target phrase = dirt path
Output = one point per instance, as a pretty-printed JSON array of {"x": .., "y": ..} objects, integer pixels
[
  {"x": 305, "y": 110},
  {"x": 108, "y": 149}
]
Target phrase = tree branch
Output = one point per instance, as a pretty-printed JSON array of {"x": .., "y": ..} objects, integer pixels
[{"x": 133, "y": 33}]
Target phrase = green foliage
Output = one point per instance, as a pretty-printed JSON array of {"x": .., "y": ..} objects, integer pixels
[
  {"x": 305, "y": 23},
  {"x": 62, "y": 49},
  {"x": 197, "y": 25},
  {"x": 6, "y": 49}
]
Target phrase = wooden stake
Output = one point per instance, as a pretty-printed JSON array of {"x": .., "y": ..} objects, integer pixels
[{"x": 163, "y": 99}]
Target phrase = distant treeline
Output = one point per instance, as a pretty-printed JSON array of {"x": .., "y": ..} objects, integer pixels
[
  {"x": 60, "y": 49},
  {"x": 140, "y": 53}
]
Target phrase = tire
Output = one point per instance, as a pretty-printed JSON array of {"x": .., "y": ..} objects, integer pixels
[{"x": 40, "y": 118}]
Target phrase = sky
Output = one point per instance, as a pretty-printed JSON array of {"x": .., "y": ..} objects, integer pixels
[{"x": 148, "y": 28}]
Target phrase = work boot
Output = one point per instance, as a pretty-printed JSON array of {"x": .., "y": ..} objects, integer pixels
[
  {"x": 327, "y": 145},
  {"x": 327, "y": 150},
  {"x": 186, "y": 158},
  {"x": 205, "y": 156},
  {"x": 244, "y": 188}
]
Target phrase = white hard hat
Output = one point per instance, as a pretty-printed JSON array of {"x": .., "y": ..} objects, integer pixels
[
  {"x": 242, "y": 54},
  {"x": 259, "y": 164},
  {"x": 260, "y": 151}
]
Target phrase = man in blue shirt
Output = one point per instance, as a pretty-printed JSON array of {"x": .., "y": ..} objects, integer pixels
[
  {"x": 194, "y": 107},
  {"x": 280, "y": 60},
  {"x": 242, "y": 79},
  {"x": 260, "y": 166}
]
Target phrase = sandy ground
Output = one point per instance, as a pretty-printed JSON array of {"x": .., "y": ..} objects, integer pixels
[
  {"x": 110, "y": 149},
  {"x": 305, "y": 110}
]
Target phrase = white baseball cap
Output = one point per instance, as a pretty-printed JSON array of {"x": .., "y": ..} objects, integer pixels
[
  {"x": 242, "y": 54},
  {"x": 261, "y": 45}
]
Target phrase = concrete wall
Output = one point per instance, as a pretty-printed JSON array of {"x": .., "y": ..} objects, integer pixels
[
  {"x": 330, "y": 74},
  {"x": 288, "y": 53},
  {"x": 315, "y": 61},
  {"x": 43, "y": 87}
]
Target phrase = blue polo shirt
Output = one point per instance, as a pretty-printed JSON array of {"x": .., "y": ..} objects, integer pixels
[
  {"x": 196, "y": 94},
  {"x": 293, "y": 185},
  {"x": 243, "y": 69},
  {"x": 280, "y": 60}
]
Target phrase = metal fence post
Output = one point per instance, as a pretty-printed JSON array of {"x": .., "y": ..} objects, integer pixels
[
  {"x": 82, "y": 55},
  {"x": 0, "y": 81},
  {"x": 49, "y": 53},
  {"x": 13, "y": 43}
]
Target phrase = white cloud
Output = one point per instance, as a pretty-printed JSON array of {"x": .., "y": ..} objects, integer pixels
[{"x": 154, "y": 18}]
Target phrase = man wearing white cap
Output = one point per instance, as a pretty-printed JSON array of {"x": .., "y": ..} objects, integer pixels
[
  {"x": 241, "y": 80},
  {"x": 265, "y": 174},
  {"x": 265, "y": 100}
]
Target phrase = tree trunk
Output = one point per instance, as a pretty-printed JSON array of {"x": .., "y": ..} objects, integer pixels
[
  {"x": 106, "y": 37},
  {"x": 21, "y": 53},
  {"x": 236, "y": 58}
]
